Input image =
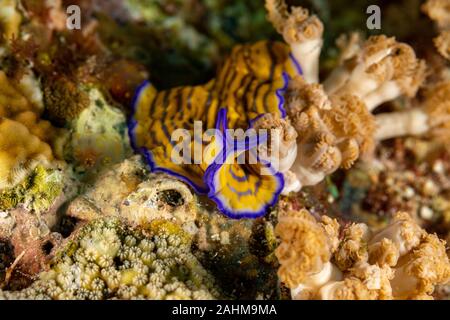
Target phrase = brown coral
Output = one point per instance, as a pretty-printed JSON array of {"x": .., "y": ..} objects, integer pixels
[
  {"x": 305, "y": 246},
  {"x": 401, "y": 261},
  {"x": 64, "y": 99},
  {"x": 352, "y": 248},
  {"x": 281, "y": 150},
  {"x": 333, "y": 131}
]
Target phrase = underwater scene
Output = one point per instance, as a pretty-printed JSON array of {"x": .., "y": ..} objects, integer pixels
[{"x": 224, "y": 150}]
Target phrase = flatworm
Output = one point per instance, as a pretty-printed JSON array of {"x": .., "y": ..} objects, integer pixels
[{"x": 251, "y": 83}]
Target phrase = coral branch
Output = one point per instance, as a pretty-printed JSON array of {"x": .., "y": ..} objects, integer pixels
[
  {"x": 382, "y": 70},
  {"x": 403, "y": 123},
  {"x": 302, "y": 32},
  {"x": 432, "y": 118}
]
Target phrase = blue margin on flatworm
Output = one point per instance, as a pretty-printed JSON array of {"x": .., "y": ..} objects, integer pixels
[
  {"x": 297, "y": 64},
  {"x": 132, "y": 123},
  {"x": 214, "y": 168},
  {"x": 209, "y": 178}
]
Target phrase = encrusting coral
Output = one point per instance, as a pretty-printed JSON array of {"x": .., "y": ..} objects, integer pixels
[
  {"x": 98, "y": 137},
  {"x": 143, "y": 197},
  {"x": 106, "y": 259},
  {"x": 37, "y": 192},
  {"x": 320, "y": 260}
]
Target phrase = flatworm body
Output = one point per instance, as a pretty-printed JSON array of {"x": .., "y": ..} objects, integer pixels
[{"x": 250, "y": 83}]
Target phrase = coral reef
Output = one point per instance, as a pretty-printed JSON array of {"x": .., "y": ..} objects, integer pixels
[
  {"x": 356, "y": 205},
  {"x": 106, "y": 259},
  {"x": 320, "y": 261},
  {"x": 373, "y": 72}
]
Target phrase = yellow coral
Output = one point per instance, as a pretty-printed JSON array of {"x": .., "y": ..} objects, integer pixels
[
  {"x": 348, "y": 45},
  {"x": 353, "y": 124},
  {"x": 295, "y": 26},
  {"x": 20, "y": 151},
  {"x": 11, "y": 100},
  {"x": 24, "y": 138},
  {"x": 10, "y": 20},
  {"x": 439, "y": 12},
  {"x": 365, "y": 282},
  {"x": 281, "y": 150},
  {"x": 277, "y": 13},
  {"x": 403, "y": 232}
]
